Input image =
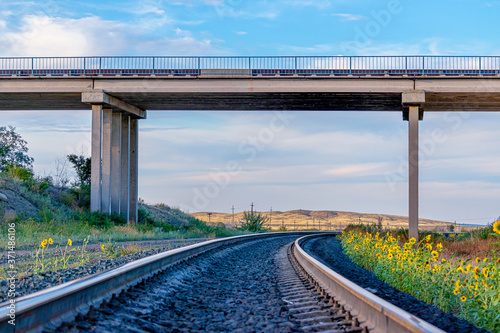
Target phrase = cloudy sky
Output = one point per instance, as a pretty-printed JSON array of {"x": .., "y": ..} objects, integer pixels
[{"x": 209, "y": 161}]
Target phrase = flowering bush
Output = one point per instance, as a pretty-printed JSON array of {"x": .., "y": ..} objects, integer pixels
[{"x": 470, "y": 289}]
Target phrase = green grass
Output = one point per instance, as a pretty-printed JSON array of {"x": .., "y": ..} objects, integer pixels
[{"x": 61, "y": 218}]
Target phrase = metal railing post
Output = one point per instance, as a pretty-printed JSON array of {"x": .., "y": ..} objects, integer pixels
[
  {"x": 296, "y": 65},
  {"x": 350, "y": 64},
  {"x": 250, "y": 66},
  {"x": 154, "y": 65},
  {"x": 100, "y": 63},
  {"x": 32, "y": 66},
  {"x": 84, "y": 65},
  {"x": 199, "y": 66},
  {"x": 423, "y": 65},
  {"x": 480, "y": 71}
]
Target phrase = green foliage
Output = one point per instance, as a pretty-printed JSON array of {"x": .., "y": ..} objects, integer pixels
[
  {"x": 253, "y": 221},
  {"x": 67, "y": 198},
  {"x": 13, "y": 149},
  {"x": 81, "y": 196},
  {"x": 18, "y": 172},
  {"x": 82, "y": 166},
  {"x": 148, "y": 222},
  {"x": 102, "y": 221}
]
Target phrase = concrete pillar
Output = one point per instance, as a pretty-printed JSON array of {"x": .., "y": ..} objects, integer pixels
[
  {"x": 116, "y": 140},
  {"x": 134, "y": 163},
  {"x": 95, "y": 184},
  {"x": 413, "y": 118},
  {"x": 106, "y": 161},
  {"x": 125, "y": 167}
]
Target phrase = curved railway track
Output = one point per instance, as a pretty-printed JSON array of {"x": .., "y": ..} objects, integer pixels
[{"x": 263, "y": 282}]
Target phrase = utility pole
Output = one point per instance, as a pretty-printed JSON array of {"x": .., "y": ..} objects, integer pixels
[
  {"x": 270, "y": 217},
  {"x": 251, "y": 208},
  {"x": 233, "y": 213},
  {"x": 209, "y": 214}
]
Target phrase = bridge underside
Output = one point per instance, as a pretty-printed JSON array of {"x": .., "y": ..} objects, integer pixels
[{"x": 326, "y": 101}]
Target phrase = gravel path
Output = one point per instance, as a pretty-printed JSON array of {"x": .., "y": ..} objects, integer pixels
[
  {"x": 234, "y": 289},
  {"x": 329, "y": 251},
  {"x": 35, "y": 282}
]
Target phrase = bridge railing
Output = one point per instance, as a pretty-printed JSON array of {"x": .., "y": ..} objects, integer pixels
[{"x": 252, "y": 66}]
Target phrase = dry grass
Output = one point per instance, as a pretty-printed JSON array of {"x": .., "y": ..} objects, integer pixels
[{"x": 471, "y": 248}]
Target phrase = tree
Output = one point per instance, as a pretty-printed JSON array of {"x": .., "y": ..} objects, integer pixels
[
  {"x": 253, "y": 221},
  {"x": 82, "y": 167},
  {"x": 13, "y": 149}
]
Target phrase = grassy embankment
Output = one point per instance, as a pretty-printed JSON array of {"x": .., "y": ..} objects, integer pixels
[{"x": 54, "y": 227}]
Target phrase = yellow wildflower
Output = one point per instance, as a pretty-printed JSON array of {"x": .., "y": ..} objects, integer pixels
[
  {"x": 463, "y": 298},
  {"x": 496, "y": 227},
  {"x": 51, "y": 241},
  {"x": 43, "y": 243},
  {"x": 435, "y": 254},
  {"x": 460, "y": 269},
  {"x": 70, "y": 243},
  {"x": 412, "y": 240},
  {"x": 478, "y": 260},
  {"x": 102, "y": 247},
  {"x": 439, "y": 247}
]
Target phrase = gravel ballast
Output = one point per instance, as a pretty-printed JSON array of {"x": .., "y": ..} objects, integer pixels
[
  {"x": 233, "y": 289},
  {"x": 329, "y": 251}
]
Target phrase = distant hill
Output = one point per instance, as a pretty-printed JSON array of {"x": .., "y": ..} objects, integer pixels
[{"x": 302, "y": 219}]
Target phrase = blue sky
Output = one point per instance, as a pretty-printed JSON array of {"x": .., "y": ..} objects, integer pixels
[{"x": 319, "y": 160}]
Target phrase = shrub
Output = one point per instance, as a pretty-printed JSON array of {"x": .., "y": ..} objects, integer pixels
[
  {"x": 19, "y": 172},
  {"x": 253, "y": 221}
]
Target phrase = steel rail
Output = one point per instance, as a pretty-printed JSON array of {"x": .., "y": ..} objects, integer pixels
[
  {"x": 374, "y": 313},
  {"x": 50, "y": 307}
]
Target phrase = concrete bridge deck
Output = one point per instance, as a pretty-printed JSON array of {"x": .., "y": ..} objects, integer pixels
[{"x": 331, "y": 93}]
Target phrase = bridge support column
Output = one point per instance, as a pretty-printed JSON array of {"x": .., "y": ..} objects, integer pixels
[
  {"x": 413, "y": 112},
  {"x": 114, "y": 185}
]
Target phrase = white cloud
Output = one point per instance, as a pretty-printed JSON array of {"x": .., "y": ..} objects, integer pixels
[
  {"x": 241, "y": 32},
  {"x": 54, "y": 36},
  {"x": 350, "y": 17}
]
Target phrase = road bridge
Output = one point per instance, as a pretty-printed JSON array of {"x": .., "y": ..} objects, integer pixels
[{"x": 120, "y": 91}]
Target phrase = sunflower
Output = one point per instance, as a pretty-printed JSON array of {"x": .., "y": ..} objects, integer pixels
[
  {"x": 463, "y": 298},
  {"x": 70, "y": 243},
  {"x": 51, "y": 241},
  {"x": 44, "y": 243},
  {"x": 496, "y": 227}
]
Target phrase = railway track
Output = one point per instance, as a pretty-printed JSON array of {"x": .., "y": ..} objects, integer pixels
[{"x": 264, "y": 283}]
